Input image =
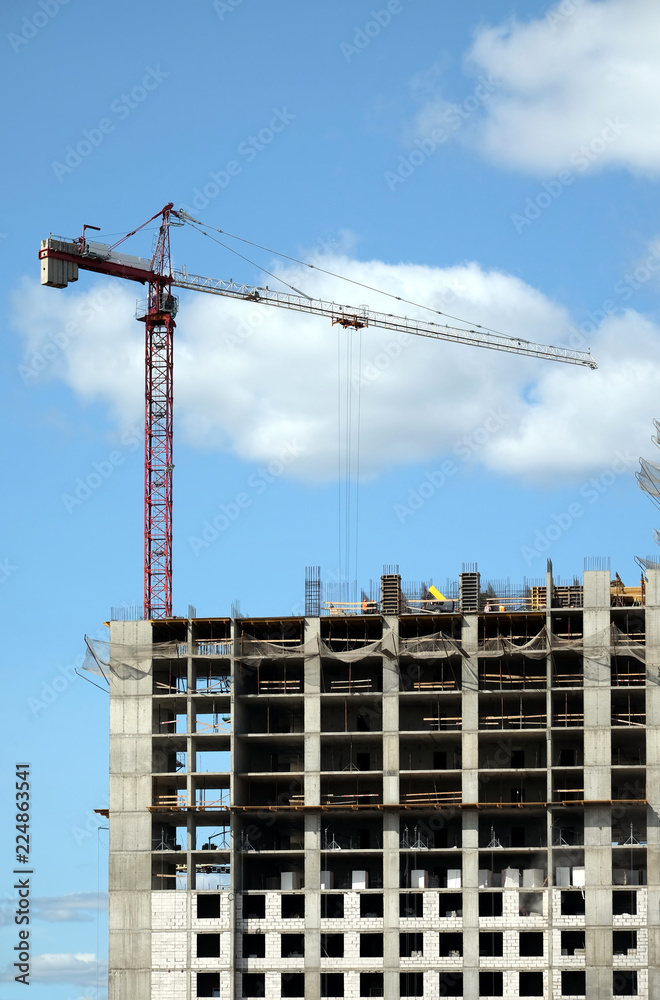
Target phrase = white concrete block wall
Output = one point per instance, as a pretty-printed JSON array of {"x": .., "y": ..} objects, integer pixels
[
  {"x": 226, "y": 986},
  {"x": 431, "y": 947},
  {"x": 169, "y": 985},
  {"x": 168, "y": 910},
  {"x": 278, "y": 964},
  {"x": 449, "y": 923},
  {"x": 273, "y": 984},
  {"x": 409, "y": 964},
  {"x": 447, "y": 964},
  {"x": 333, "y": 925},
  {"x": 352, "y": 985},
  {"x": 169, "y": 949},
  {"x": 643, "y": 984}
]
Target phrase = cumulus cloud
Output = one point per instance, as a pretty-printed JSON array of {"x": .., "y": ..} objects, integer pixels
[
  {"x": 74, "y": 906},
  {"x": 253, "y": 380},
  {"x": 79, "y": 969},
  {"x": 571, "y": 426},
  {"x": 576, "y": 89}
]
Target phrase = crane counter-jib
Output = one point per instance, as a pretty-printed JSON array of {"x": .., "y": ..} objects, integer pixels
[{"x": 61, "y": 260}]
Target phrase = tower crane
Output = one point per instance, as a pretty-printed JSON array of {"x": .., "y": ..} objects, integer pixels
[{"x": 61, "y": 260}]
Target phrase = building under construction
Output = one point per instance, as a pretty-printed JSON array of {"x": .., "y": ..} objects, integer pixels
[{"x": 443, "y": 798}]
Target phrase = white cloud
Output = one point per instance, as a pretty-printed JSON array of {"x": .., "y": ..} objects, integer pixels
[
  {"x": 252, "y": 379},
  {"x": 562, "y": 78},
  {"x": 73, "y": 906},
  {"x": 581, "y": 425},
  {"x": 80, "y": 969}
]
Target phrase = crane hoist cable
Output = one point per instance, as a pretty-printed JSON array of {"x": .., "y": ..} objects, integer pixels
[
  {"x": 349, "y": 355},
  {"x": 344, "y": 468},
  {"x": 357, "y": 460},
  {"x": 348, "y": 434},
  {"x": 342, "y": 277},
  {"x": 339, "y": 467},
  {"x": 347, "y": 525}
]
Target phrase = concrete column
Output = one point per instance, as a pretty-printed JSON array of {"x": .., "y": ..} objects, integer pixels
[
  {"x": 549, "y": 587},
  {"x": 312, "y": 718},
  {"x": 470, "y": 710},
  {"x": 391, "y": 722},
  {"x": 597, "y": 685},
  {"x": 653, "y": 774},
  {"x": 597, "y": 782},
  {"x": 235, "y": 867},
  {"x": 391, "y": 819},
  {"x": 470, "y": 903},
  {"x": 130, "y": 821},
  {"x": 471, "y": 794},
  {"x": 312, "y": 905},
  {"x": 313, "y": 820},
  {"x": 391, "y": 904}
]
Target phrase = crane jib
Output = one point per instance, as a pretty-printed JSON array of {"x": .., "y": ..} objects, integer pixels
[{"x": 360, "y": 317}]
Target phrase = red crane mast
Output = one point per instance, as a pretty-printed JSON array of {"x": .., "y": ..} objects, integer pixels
[
  {"x": 60, "y": 262},
  {"x": 158, "y": 415}
]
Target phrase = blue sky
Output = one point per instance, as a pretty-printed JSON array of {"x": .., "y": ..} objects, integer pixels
[{"x": 498, "y": 161}]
